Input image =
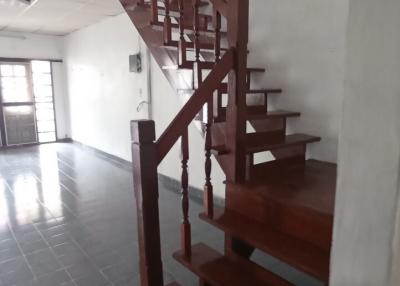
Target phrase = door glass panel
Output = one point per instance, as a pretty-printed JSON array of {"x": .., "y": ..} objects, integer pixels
[
  {"x": 44, "y": 105},
  {"x": 6, "y": 70},
  {"x": 14, "y": 84},
  {"x": 20, "y": 124}
]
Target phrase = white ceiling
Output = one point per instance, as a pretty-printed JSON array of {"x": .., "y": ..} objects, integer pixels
[{"x": 54, "y": 17}]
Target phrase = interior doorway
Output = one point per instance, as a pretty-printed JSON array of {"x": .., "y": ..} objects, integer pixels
[{"x": 27, "y": 114}]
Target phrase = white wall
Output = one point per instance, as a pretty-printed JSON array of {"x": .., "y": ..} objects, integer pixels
[
  {"x": 103, "y": 94},
  {"x": 302, "y": 45},
  {"x": 369, "y": 155},
  {"x": 30, "y": 46}
]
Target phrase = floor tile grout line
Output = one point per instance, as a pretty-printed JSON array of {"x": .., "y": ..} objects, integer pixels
[
  {"x": 15, "y": 238},
  {"x": 54, "y": 254},
  {"x": 72, "y": 239}
]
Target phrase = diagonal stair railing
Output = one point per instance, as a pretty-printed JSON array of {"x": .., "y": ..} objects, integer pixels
[{"x": 148, "y": 153}]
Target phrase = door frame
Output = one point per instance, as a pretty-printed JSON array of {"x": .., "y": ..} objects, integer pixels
[{"x": 3, "y": 133}]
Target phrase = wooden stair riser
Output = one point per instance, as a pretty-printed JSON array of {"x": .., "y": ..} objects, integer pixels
[
  {"x": 302, "y": 223},
  {"x": 218, "y": 270},
  {"x": 286, "y": 159},
  {"x": 243, "y": 234}
]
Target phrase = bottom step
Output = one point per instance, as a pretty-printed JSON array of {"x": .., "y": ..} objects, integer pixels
[
  {"x": 300, "y": 254},
  {"x": 219, "y": 270}
]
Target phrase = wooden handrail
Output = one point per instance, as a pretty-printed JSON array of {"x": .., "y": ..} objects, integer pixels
[{"x": 200, "y": 97}]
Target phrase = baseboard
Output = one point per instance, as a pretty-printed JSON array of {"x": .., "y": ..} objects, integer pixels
[
  {"x": 65, "y": 140},
  {"x": 168, "y": 183},
  {"x": 115, "y": 160},
  {"x": 195, "y": 194}
]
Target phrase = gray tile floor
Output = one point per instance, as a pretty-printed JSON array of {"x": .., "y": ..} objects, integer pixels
[{"x": 67, "y": 217}]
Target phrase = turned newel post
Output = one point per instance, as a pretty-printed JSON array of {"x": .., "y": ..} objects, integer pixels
[
  {"x": 145, "y": 181},
  {"x": 185, "y": 227}
]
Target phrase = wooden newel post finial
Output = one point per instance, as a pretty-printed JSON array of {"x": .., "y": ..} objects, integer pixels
[{"x": 145, "y": 181}]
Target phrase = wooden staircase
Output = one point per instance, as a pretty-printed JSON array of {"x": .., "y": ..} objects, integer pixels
[{"x": 282, "y": 206}]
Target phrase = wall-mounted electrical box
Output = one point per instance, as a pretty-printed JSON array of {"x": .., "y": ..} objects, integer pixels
[{"x": 135, "y": 63}]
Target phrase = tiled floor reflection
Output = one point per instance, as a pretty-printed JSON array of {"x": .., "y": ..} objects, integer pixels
[{"x": 67, "y": 217}]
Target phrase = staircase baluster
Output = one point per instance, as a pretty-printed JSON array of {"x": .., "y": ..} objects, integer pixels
[
  {"x": 182, "y": 41},
  {"x": 217, "y": 52},
  {"x": 196, "y": 29},
  {"x": 154, "y": 12},
  {"x": 217, "y": 40},
  {"x": 208, "y": 202},
  {"x": 197, "y": 74},
  {"x": 185, "y": 227},
  {"x": 167, "y": 24}
]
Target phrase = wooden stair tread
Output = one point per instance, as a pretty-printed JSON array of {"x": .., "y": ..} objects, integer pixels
[
  {"x": 295, "y": 252},
  {"x": 259, "y": 113},
  {"x": 253, "y": 69},
  {"x": 221, "y": 270},
  {"x": 314, "y": 188},
  {"x": 265, "y": 91},
  {"x": 254, "y": 146}
]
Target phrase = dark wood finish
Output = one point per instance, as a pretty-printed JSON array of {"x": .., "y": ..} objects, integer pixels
[
  {"x": 217, "y": 41},
  {"x": 208, "y": 201},
  {"x": 221, "y": 6},
  {"x": 281, "y": 206},
  {"x": 185, "y": 226},
  {"x": 259, "y": 113},
  {"x": 182, "y": 42},
  {"x": 300, "y": 254},
  {"x": 193, "y": 106},
  {"x": 259, "y": 142},
  {"x": 146, "y": 192},
  {"x": 154, "y": 11},
  {"x": 238, "y": 22},
  {"x": 167, "y": 24},
  {"x": 219, "y": 270},
  {"x": 298, "y": 203}
]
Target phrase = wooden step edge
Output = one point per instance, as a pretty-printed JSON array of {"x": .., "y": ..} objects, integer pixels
[
  {"x": 175, "y": 8},
  {"x": 297, "y": 253},
  {"x": 220, "y": 270},
  {"x": 259, "y": 91},
  {"x": 264, "y": 91},
  {"x": 272, "y": 114},
  {"x": 253, "y": 112},
  {"x": 256, "y": 70},
  {"x": 202, "y": 65},
  {"x": 288, "y": 141},
  {"x": 190, "y": 45}
]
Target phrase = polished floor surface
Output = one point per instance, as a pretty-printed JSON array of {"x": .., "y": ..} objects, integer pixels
[{"x": 67, "y": 217}]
